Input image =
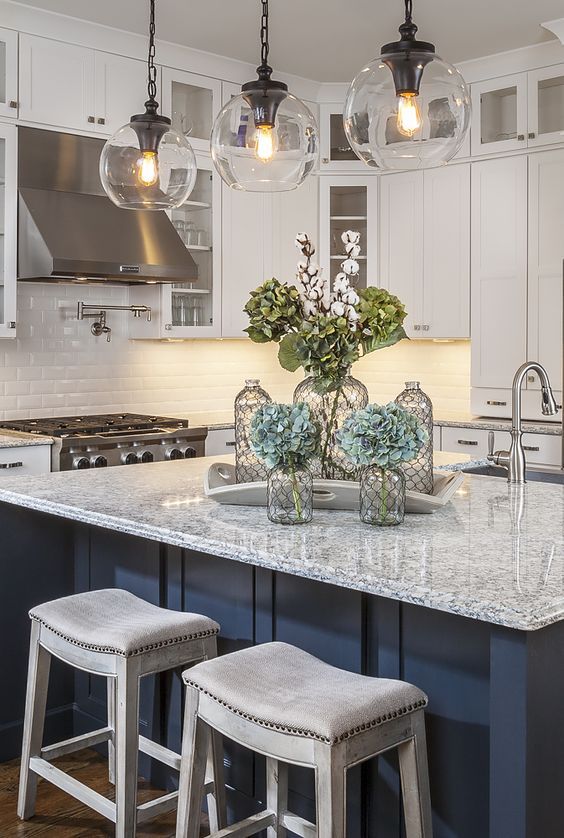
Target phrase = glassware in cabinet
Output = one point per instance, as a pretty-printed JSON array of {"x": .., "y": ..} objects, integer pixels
[{"x": 192, "y": 102}]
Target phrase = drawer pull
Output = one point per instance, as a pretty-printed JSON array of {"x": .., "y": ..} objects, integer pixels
[
  {"x": 11, "y": 465},
  {"x": 230, "y": 444},
  {"x": 531, "y": 448},
  {"x": 494, "y": 403},
  {"x": 467, "y": 441}
]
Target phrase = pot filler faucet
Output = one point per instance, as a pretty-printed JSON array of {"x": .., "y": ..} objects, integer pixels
[
  {"x": 514, "y": 459},
  {"x": 100, "y": 326}
]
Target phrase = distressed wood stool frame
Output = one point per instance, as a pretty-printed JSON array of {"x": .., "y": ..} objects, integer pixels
[
  {"x": 121, "y": 734},
  {"x": 205, "y": 717}
]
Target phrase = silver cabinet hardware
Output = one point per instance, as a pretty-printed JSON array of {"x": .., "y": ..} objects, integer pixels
[
  {"x": 425, "y": 328},
  {"x": 101, "y": 120},
  {"x": 12, "y": 324},
  {"x": 13, "y": 103},
  {"x": 17, "y": 464},
  {"x": 494, "y": 403},
  {"x": 521, "y": 138},
  {"x": 91, "y": 119},
  {"x": 230, "y": 444},
  {"x": 325, "y": 160},
  {"x": 531, "y": 448},
  {"x": 467, "y": 441},
  {"x": 531, "y": 379},
  {"x": 168, "y": 327},
  {"x": 417, "y": 328},
  {"x": 532, "y": 135}
]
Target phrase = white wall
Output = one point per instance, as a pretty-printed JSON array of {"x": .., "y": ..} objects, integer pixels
[{"x": 56, "y": 367}]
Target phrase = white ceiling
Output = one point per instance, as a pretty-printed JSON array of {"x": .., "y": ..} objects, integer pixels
[{"x": 326, "y": 40}]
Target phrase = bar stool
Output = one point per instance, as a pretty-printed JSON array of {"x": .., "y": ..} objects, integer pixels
[
  {"x": 117, "y": 635},
  {"x": 292, "y": 708}
]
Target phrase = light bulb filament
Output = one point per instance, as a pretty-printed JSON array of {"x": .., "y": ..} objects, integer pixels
[
  {"x": 264, "y": 148},
  {"x": 409, "y": 116},
  {"x": 148, "y": 168}
]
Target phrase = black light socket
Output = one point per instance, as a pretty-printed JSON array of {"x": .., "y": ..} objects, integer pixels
[{"x": 150, "y": 126}]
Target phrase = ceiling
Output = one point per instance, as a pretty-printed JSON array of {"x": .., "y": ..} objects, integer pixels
[{"x": 325, "y": 40}]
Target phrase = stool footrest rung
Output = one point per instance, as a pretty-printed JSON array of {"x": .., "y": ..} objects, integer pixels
[
  {"x": 159, "y": 752},
  {"x": 76, "y": 789},
  {"x": 159, "y": 806},
  {"x": 248, "y": 827},
  {"x": 298, "y": 826},
  {"x": 77, "y": 743}
]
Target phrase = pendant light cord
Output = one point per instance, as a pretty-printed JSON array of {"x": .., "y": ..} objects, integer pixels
[
  {"x": 408, "y": 29},
  {"x": 151, "y": 69},
  {"x": 408, "y": 10},
  {"x": 264, "y": 71}
]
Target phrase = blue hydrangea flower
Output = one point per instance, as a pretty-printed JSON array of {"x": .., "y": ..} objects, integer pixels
[
  {"x": 381, "y": 435},
  {"x": 284, "y": 434}
]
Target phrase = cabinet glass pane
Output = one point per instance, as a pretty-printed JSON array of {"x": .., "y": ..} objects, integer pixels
[
  {"x": 348, "y": 207},
  {"x": 340, "y": 148},
  {"x": 551, "y": 105},
  {"x": 192, "y": 110},
  {"x": 3, "y": 70},
  {"x": 192, "y": 302},
  {"x": 499, "y": 115}
]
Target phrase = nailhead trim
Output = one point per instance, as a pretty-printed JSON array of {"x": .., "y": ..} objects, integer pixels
[
  {"x": 113, "y": 651},
  {"x": 310, "y": 734}
]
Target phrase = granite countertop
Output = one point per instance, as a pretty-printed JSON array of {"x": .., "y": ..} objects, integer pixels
[
  {"x": 489, "y": 424},
  {"x": 493, "y": 554},
  {"x": 15, "y": 439}
]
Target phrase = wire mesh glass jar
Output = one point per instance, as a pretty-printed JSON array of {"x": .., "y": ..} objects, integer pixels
[
  {"x": 330, "y": 410},
  {"x": 248, "y": 467},
  {"x": 290, "y": 495},
  {"x": 419, "y": 472},
  {"x": 382, "y": 496}
]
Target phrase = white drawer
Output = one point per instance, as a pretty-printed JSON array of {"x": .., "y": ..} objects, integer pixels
[
  {"x": 472, "y": 441},
  {"x": 29, "y": 459},
  {"x": 489, "y": 402},
  {"x": 220, "y": 442},
  {"x": 543, "y": 449}
]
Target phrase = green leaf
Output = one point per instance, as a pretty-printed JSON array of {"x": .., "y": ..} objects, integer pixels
[
  {"x": 371, "y": 343},
  {"x": 287, "y": 355}
]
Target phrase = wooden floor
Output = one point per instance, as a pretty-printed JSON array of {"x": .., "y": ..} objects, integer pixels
[{"x": 61, "y": 816}]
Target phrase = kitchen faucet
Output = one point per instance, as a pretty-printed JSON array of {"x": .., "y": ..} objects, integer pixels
[{"x": 514, "y": 459}]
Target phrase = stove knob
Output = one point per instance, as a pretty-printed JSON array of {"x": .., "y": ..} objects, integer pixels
[
  {"x": 190, "y": 452},
  {"x": 81, "y": 462},
  {"x": 174, "y": 454},
  {"x": 147, "y": 457},
  {"x": 129, "y": 459},
  {"x": 98, "y": 462}
]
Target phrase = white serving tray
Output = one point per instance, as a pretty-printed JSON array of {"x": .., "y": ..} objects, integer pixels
[{"x": 220, "y": 485}]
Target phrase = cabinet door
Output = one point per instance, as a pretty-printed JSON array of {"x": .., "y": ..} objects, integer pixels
[
  {"x": 401, "y": 243},
  {"x": 500, "y": 120},
  {"x": 293, "y": 212},
  {"x": 446, "y": 290},
  {"x": 499, "y": 270},
  {"x": 192, "y": 102},
  {"x": 336, "y": 152},
  {"x": 247, "y": 254},
  {"x": 121, "y": 90},
  {"x": 546, "y": 106},
  {"x": 56, "y": 83},
  {"x": 546, "y": 258},
  {"x": 8, "y": 73},
  {"x": 8, "y": 229}
]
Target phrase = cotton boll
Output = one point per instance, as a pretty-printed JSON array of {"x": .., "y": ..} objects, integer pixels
[
  {"x": 350, "y": 267},
  {"x": 337, "y": 308},
  {"x": 351, "y": 297},
  {"x": 353, "y": 250},
  {"x": 301, "y": 239}
]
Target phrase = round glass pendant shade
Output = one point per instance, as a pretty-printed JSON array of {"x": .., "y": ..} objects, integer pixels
[
  {"x": 264, "y": 159},
  {"x": 407, "y": 131},
  {"x": 147, "y": 180}
]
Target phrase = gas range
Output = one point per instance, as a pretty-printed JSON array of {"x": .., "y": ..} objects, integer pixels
[{"x": 114, "y": 439}]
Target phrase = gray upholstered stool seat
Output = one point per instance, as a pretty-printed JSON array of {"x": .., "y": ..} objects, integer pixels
[
  {"x": 283, "y": 688},
  {"x": 119, "y": 623},
  {"x": 122, "y": 638},
  {"x": 291, "y": 707}
]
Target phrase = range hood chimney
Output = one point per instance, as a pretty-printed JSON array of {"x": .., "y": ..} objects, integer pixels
[{"x": 69, "y": 229}]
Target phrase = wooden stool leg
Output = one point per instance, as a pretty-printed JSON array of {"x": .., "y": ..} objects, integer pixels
[
  {"x": 127, "y": 746},
  {"x": 111, "y": 686},
  {"x": 195, "y": 748},
  {"x": 330, "y": 789},
  {"x": 217, "y": 805},
  {"x": 35, "y": 703},
  {"x": 276, "y": 794},
  {"x": 415, "y": 781}
]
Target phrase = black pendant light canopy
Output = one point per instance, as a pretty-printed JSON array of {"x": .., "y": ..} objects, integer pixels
[{"x": 147, "y": 165}]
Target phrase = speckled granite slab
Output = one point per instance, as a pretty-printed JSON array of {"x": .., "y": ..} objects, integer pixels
[
  {"x": 492, "y": 554},
  {"x": 9, "y": 439},
  {"x": 478, "y": 422}
]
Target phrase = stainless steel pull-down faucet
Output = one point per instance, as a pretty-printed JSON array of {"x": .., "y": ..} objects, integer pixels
[{"x": 514, "y": 459}]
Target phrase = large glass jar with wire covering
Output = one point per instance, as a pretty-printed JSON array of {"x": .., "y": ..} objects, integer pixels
[
  {"x": 419, "y": 472},
  {"x": 248, "y": 467},
  {"x": 330, "y": 409}
]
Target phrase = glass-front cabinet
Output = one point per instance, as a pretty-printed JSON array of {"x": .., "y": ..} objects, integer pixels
[
  {"x": 546, "y": 106},
  {"x": 8, "y": 230},
  {"x": 8, "y": 73},
  {"x": 193, "y": 103},
  {"x": 336, "y": 152},
  {"x": 349, "y": 204}
]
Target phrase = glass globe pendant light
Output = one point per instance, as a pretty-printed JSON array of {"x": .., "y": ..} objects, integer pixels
[
  {"x": 147, "y": 165},
  {"x": 407, "y": 109},
  {"x": 264, "y": 139}
]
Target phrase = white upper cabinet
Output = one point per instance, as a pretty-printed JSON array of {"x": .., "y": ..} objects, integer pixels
[
  {"x": 192, "y": 102},
  {"x": 546, "y": 259},
  {"x": 121, "y": 90},
  {"x": 546, "y": 106},
  {"x": 8, "y": 229},
  {"x": 500, "y": 116},
  {"x": 293, "y": 212},
  {"x": 336, "y": 153},
  {"x": 56, "y": 83},
  {"x": 499, "y": 270},
  {"x": 8, "y": 73}
]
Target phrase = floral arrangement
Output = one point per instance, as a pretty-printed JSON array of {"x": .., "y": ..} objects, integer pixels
[
  {"x": 321, "y": 329},
  {"x": 381, "y": 435},
  {"x": 284, "y": 434}
]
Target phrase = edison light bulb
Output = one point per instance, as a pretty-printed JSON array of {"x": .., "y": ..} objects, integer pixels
[
  {"x": 409, "y": 117},
  {"x": 265, "y": 143},
  {"x": 149, "y": 169}
]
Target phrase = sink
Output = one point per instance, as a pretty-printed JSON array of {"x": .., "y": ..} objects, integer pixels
[{"x": 531, "y": 475}]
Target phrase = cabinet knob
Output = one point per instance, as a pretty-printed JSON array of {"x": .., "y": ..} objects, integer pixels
[
  {"x": 532, "y": 135},
  {"x": 13, "y": 103},
  {"x": 531, "y": 379},
  {"x": 12, "y": 324},
  {"x": 91, "y": 120},
  {"x": 417, "y": 328},
  {"x": 425, "y": 328},
  {"x": 521, "y": 138},
  {"x": 168, "y": 327},
  {"x": 325, "y": 160},
  {"x": 101, "y": 120}
]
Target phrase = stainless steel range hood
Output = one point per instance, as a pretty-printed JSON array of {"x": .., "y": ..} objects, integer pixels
[{"x": 69, "y": 229}]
